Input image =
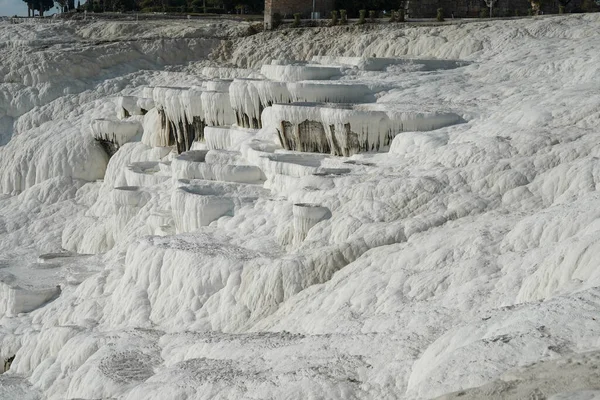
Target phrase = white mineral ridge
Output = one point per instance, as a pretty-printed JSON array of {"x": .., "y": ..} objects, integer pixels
[
  {"x": 219, "y": 137},
  {"x": 458, "y": 260},
  {"x": 128, "y": 105},
  {"x": 117, "y": 132},
  {"x": 293, "y": 73},
  {"x": 52, "y": 150}
]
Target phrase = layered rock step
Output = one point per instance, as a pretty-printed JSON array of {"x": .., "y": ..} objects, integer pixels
[
  {"x": 197, "y": 203},
  {"x": 381, "y": 63},
  {"x": 126, "y": 106},
  {"x": 347, "y": 129},
  {"x": 250, "y": 97},
  {"x": 217, "y": 165},
  {"x": 299, "y": 72},
  {"x": 113, "y": 134},
  {"x": 226, "y": 137},
  {"x": 26, "y": 286},
  {"x": 147, "y": 173},
  {"x": 181, "y": 116}
]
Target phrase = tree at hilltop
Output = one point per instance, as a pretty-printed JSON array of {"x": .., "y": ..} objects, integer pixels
[{"x": 41, "y": 6}]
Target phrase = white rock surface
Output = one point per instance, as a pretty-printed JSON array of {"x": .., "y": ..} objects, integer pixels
[
  {"x": 461, "y": 263},
  {"x": 115, "y": 132}
]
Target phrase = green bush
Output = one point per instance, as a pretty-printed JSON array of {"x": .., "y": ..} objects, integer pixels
[
  {"x": 296, "y": 22},
  {"x": 372, "y": 15},
  {"x": 334, "y": 18},
  {"x": 561, "y": 9},
  {"x": 393, "y": 17},
  {"x": 440, "y": 15},
  {"x": 484, "y": 13},
  {"x": 401, "y": 15},
  {"x": 361, "y": 16},
  {"x": 254, "y": 29},
  {"x": 343, "y": 17}
]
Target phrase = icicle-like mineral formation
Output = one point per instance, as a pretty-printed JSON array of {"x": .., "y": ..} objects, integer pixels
[
  {"x": 249, "y": 97},
  {"x": 197, "y": 206},
  {"x": 225, "y": 137},
  {"x": 246, "y": 103},
  {"x": 113, "y": 134},
  {"x": 305, "y": 217},
  {"x": 346, "y": 129},
  {"x": 217, "y": 108},
  {"x": 180, "y": 114}
]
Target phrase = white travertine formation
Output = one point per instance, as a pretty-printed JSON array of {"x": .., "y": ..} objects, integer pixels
[
  {"x": 290, "y": 164},
  {"x": 115, "y": 133},
  {"x": 305, "y": 217},
  {"x": 43, "y": 154},
  {"x": 343, "y": 129},
  {"x": 246, "y": 103},
  {"x": 217, "y": 138},
  {"x": 249, "y": 97},
  {"x": 380, "y": 64},
  {"x": 127, "y": 106},
  {"x": 222, "y": 166},
  {"x": 462, "y": 264},
  {"x": 194, "y": 207},
  {"x": 198, "y": 203},
  {"x": 22, "y": 299},
  {"x": 294, "y": 73},
  {"x": 217, "y": 108},
  {"x": 218, "y": 85},
  {"x": 226, "y": 73},
  {"x": 161, "y": 222},
  {"x": 129, "y": 196},
  {"x": 144, "y": 173},
  {"x": 181, "y": 115},
  {"x": 145, "y": 104}
]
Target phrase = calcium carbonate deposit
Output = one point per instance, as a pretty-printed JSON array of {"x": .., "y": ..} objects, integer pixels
[{"x": 359, "y": 212}]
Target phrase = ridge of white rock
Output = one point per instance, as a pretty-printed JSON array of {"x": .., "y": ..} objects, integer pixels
[
  {"x": 113, "y": 134},
  {"x": 381, "y": 63},
  {"x": 251, "y": 96},
  {"x": 305, "y": 217},
  {"x": 197, "y": 204},
  {"x": 217, "y": 109},
  {"x": 304, "y": 72},
  {"x": 219, "y": 138},
  {"x": 128, "y": 106},
  {"x": 213, "y": 165},
  {"x": 345, "y": 129}
]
